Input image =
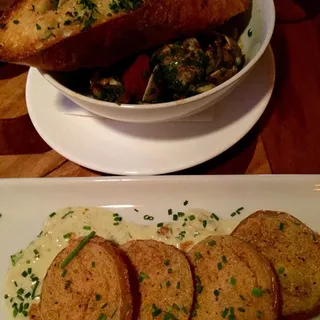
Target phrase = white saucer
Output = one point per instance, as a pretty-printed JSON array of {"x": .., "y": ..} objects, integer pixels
[{"x": 145, "y": 149}]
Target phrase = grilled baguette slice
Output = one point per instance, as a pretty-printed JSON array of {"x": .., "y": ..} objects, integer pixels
[
  {"x": 95, "y": 283},
  {"x": 233, "y": 281},
  {"x": 97, "y": 33},
  {"x": 161, "y": 279},
  {"x": 294, "y": 251}
]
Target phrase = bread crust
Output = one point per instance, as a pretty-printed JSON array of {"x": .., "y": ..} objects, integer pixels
[
  {"x": 232, "y": 277},
  {"x": 98, "y": 283},
  {"x": 162, "y": 279},
  {"x": 294, "y": 252},
  {"x": 154, "y": 23}
]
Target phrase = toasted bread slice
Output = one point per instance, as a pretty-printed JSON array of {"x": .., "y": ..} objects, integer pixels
[
  {"x": 94, "y": 283},
  {"x": 294, "y": 251},
  {"x": 97, "y": 33},
  {"x": 161, "y": 274},
  {"x": 232, "y": 278}
]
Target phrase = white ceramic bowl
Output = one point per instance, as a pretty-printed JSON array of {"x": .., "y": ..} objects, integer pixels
[{"x": 261, "y": 24}]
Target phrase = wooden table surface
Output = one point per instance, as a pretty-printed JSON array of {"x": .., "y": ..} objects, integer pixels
[{"x": 285, "y": 140}]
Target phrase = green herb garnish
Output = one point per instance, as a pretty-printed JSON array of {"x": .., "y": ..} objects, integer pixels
[
  {"x": 214, "y": 216},
  {"x": 82, "y": 243},
  {"x": 198, "y": 255},
  {"x": 232, "y": 281},
  {"x": 142, "y": 276},
  {"x": 216, "y": 293},
  {"x": 53, "y": 213},
  {"x": 257, "y": 292},
  {"x": 281, "y": 226}
]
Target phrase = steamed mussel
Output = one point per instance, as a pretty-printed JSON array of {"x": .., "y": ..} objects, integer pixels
[{"x": 178, "y": 70}]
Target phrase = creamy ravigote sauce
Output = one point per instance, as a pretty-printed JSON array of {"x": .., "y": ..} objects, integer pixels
[{"x": 29, "y": 266}]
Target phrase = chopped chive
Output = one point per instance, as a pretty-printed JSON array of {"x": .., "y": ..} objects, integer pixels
[
  {"x": 16, "y": 21},
  {"x": 178, "y": 285},
  {"x": 214, "y": 216},
  {"x": 168, "y": 283},
  {"x": 184, "y": 309},
  {"x": 224, "y": 259},
  {"x": 24, "y": 274},
  {"x": 170, "y": 212},
  {"x": 15, "y": 283},
  {"x": 186, "y": 203},
  {"x": 198, "y": 255},
  {"x": 64, "y": 272},
  {"x": 238, "y": 211},
  {"x": 36, "y": 251},
  {"x": 20, "y": 298},
  {"x": 67, "y": 284},
  {"x": 258, "y": 292},
  {"x": 156, "y": 312},
  {"x": 281, "y": 270},
  {"x": 216, "y": 293},
  {"x": 225, "y": 312},
  {"x": 98, "y": 297},
  {"x": 53, "y": 213},
  {"x": 232, "y": 281},
  {"x": 104, "y": 305},
  {"x": 232, "y": 310},
  {"x": 169, "y": 270},
  {"x": 26, "y": 306},
  {"x": 281, "y": 226},
  {"x": 142, "y": 276},
  {"x": 67, "y": 236},
  {"x": 175, "y": 306},
  {"x": 93, "y": 264},
  {"x": 6, "y": 296},
  {"x": 211, "y": 243},
  {"x": 136, "y": 210},
  {"x": 219, "y": 266},
  {"x": 233, "y": 214},
  {"x": 180, "y": 214},
  {"x": 241, "y": 310},
  {"x": 118, "y": 219},
  {"x": 147, "y": 217},
  {"x": 159, "y": 225},
  {"x": 29, "y": 270},
  {"x": 250, "y": 33},
  {"x": 192, "y": 217},
  {"x": 34, "y": 289},
  {"x": 20, "y": 291},
  {"x": 64, "y": 216},
  {"x": 175, "y": 217},
  {"x": 86, "y": 228},
  {"x": 314, "y": 237},
  {"x": 184, "y": 224},
  {"x": 115, "y": 214},
  {"x": 166, "y": 262},
  {"x": 27, "y": 295},
  {"x": 259, "y": 314},
  {"x": 116, "y": 223},
  {"x": 204, "y": 223},
  {"x": 102, "y": 317},
  {"x": 82, "y": 243}
]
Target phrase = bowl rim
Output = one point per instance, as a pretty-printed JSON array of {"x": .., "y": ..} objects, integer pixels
[{"x": 171, "y": 104}]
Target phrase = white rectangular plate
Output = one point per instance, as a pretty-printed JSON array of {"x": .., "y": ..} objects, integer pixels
[{"x": 26, "y": 203}]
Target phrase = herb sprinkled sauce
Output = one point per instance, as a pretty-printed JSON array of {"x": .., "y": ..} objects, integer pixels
[{"x": 29, "y": 266}]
